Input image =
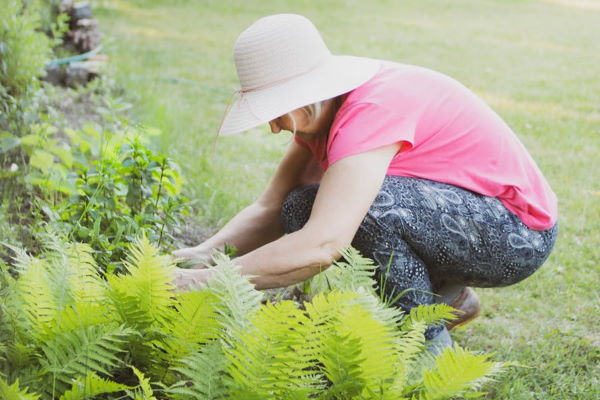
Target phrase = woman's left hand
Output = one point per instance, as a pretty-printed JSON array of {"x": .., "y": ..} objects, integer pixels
[
  {"x": 190, "y": 279},
  {"x": 347, "y": 190}
]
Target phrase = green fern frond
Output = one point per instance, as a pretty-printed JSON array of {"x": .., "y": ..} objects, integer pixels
[
  {"x": 361, "y": 355},
  {"x": 379, "y": 349},
  {"x": 324, "y": 306},
  {"x": 73, "y": 354},
  {"x": 360, "y": 269},
  {"x": 341, "y": 359},
  {"x": 48, "y": 287},
  {"x": 237, "y": 297},
  {"x": 193, "y": 322},
  {"x": 144, "y": 391},
  {"x": 274, "y": 356},
  {"x": 144, "y": 296},
  {"x": 28, "y": 374},
  {"x": 71, "y": 268},
  {"x": 431, "y": 314},
  {"x": 53, "y": 243},
  {"x": 456, "y": 371},
  {"x": 21, "y": 258},
  {"x": 410, "y": 346},
  {"x": 80, "y": 315},
  {"x": 390, "y": 316},
  {"x": 125, "y": 304},
  {"x": 203, "y": 375},
  {"x": 85, "y": 281},
  {"x": 36, "y": 292},
  {"x": 13, "y": 392},
  {"x": 352, "y": 272},
  {"x": 378, "y": 345},
  {"x": 149, "y": 279},
  {"x": 90, "y": 386},
  {"x": 15, "y": 334}
]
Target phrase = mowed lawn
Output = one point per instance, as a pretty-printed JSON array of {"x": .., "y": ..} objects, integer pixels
[{"x": 537, "y": 63}]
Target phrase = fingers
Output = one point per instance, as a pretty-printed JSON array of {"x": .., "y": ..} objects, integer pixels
[
  {"x": 184, "y": 253},
  {"x": 192, "y": 264},
  {"x": 186, "y": 280},
  {"x": 191, "y": 258}
]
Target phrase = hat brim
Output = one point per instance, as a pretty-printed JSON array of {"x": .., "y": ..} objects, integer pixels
[{"x": 339, "y": 75}]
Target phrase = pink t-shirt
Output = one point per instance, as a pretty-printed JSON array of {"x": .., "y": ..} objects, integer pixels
[{"x": 449, "y": 135}]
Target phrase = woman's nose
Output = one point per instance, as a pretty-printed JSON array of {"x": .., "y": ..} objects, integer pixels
[{"x": 274, "y": 127}]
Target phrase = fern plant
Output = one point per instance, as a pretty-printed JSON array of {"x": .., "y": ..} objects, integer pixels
[
  {"x": 14, "y": 392},
  {"x": 69, "y": 334},
  {"x": 342, "y": 344}
]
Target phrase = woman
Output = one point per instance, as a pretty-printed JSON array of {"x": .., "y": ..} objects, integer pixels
[{"x": 402, "y": 162}]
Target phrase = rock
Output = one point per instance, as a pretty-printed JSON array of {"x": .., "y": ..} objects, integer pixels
[
  {"x": 94, "y": 68},
  {"x": 77, "y": 75},
  {"x": 82, "y": 37},
  {"x": 66, "y": 6},
  {"x": 87, "y": 24},
  {"x": 81, "y": 10},
  {"x": 54, "y": 75},
  {"x": 85, "y": 36}
]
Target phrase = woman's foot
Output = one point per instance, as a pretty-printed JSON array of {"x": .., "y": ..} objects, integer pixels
[{"x": 467, "y": 306}]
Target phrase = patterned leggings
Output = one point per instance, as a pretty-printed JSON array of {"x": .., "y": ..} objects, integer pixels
[{"x": 426, "y": 235}]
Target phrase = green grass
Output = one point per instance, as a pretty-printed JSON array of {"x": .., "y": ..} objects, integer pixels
[{"x": 535, "y": 62}]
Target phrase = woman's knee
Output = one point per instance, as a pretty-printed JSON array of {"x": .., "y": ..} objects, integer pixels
[
  {"x": 527, "y": 254},
  {"x": 297, "y": 207}
]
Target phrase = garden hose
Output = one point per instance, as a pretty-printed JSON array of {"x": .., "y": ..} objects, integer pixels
[{"x": 79, "y": 57}]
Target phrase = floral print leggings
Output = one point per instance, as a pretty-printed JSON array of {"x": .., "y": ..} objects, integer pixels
[{"x": 425, "y": 235}]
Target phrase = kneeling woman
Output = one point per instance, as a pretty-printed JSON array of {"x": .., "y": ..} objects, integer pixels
[{"x": 404, "y": 163}]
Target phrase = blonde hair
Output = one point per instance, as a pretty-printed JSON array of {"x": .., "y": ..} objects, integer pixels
[{"x": 313, "y": 111}]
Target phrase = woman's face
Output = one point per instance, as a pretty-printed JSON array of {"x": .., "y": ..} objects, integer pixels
[{"x": 306, "y": 128}]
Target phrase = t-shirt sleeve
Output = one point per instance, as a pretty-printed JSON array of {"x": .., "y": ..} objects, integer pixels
[{"x": 367, "y": 126}]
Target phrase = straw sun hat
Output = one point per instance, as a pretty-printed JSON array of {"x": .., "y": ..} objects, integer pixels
[{"x": 283, "y": 64}]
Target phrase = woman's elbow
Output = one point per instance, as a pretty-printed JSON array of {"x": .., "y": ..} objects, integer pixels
[{"x": 330, "y": 250}]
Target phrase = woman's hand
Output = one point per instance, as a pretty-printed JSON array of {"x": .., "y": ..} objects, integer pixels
[
  {"x": 196, "y": 256},
  {"x": 259, "y": 223},
  {"x": 190, "y": 279},
  {"x": 347, "y": 190}
]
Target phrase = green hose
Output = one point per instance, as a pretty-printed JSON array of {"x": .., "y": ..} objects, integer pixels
[{"x": 79, "y": 57}]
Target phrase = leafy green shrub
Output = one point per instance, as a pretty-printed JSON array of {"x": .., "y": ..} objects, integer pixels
[
  {"x": 99, "y": 188},
  {"x": 68, "y": 334},
  {"x": 25, "y": 48},
  {"x": 24, "y": 51},
  {"x": 50, "y": 161},
  {"x": 41, "y": 176},
  {"x": 128, "y": 192}
]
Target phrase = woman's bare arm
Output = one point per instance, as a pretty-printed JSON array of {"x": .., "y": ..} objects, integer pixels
[
  {"x": 259, "y": 223},
  {"x": 347, "y": 190}
]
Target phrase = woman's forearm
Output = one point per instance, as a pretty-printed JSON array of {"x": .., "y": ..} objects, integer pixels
[
  {"x": 251, "y": 228},
  {"x": 279, "y": 263},
  {"x": 271, "y": 265}
]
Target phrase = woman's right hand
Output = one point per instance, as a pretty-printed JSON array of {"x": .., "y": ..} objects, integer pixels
[
  {"x": 194, "y": 257},
  {"x": 259, "y": 223}
]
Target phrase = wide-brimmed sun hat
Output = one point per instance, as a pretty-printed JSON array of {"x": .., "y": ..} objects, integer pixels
[{"x": 283, "y": 64}]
